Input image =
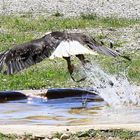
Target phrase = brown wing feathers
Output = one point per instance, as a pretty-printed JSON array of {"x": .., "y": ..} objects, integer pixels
[
  {"x": 99, "y": 47},
  {"x": 17, "y": 60},
  {"x": 23, "y": 56}
]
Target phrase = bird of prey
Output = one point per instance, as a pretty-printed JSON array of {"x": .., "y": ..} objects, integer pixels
[{"x": 52, "y": 45}]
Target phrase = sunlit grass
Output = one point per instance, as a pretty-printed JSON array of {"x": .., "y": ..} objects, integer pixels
[
  {"x": 44, "y": 75},
  {"x": 24, "y": 23},
  {"x": 120, "y": 65}
]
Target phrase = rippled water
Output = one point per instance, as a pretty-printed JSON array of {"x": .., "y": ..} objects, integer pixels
[
  {"x": 115, "y": 89},
  {"x": 66, "y": 111}
]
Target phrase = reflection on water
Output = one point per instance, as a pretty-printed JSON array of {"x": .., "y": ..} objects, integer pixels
[{"x": 65, "y": 111}]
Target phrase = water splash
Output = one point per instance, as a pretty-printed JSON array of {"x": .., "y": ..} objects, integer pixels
[{"x": 116, "y": 90}]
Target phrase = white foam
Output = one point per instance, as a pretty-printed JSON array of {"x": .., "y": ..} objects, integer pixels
[{"x": 120, "y": 93}]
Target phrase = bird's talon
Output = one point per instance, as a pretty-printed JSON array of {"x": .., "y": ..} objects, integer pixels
[
  {"x": 82, "y": 79},
  {"x": 71, "y": 68}
]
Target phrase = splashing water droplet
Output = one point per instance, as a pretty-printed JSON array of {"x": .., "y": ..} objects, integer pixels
[{"x": 114, "y": 89}]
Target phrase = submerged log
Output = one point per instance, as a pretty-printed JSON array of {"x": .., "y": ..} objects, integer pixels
[
  {"x": 52, "y": 93},
  {"x": 11, "y": 95}
]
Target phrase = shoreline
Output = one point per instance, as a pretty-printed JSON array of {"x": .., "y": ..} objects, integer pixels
[{"x": 44, "y": 130}]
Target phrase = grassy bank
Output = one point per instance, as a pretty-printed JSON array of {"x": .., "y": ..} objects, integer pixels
[
  {"x": 16, "y": 30},
  {"x": 115, "y": 134}
]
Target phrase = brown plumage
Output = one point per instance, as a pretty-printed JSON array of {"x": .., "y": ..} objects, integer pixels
[{"x": 54, "y": 44}]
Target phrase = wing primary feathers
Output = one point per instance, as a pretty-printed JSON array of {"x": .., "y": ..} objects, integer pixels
[
  {"x": 108, "y": 51},
  {"x": 13, "y": 67},
  {"x": 17, "y": 67},
  {"x": 43, "y": 56},
  {"x": 22, "y": 64},
  {"x": 104, "y": 50},
  {"x": 29, "y": 61},
  {"x": 9, "y": 70},
  {"x": 126, "y": 57},
  {"x": 2, "y": 59}
]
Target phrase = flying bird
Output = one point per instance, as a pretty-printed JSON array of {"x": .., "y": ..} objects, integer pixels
[{"x": 52, "y": 45}]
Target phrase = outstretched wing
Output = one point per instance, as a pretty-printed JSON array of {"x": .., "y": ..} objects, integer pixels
[
  {"x": 28, "y": 54},
  {"x": 93, "y": 46}
]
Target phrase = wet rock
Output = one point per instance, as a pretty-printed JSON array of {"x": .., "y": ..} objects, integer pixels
[
  {"x": 55, "y": 139},
  {"x": 46, "y": 139},
  {"x": 116, "y": 138},
  {"x": 39, "y": 138},
  {"x": 50, "y": 137},
  {"x": 64, "y": 137},
  {"x": 67, "y": 130}
]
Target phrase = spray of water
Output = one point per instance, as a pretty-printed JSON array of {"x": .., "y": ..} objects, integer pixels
[{"x": 116, "y": 90}]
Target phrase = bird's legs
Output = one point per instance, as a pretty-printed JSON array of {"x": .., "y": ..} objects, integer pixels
[
  {"x": 71, "y": 69},
  {"x": 70, "y": 66},
  {"x": 82, "y": 59}
]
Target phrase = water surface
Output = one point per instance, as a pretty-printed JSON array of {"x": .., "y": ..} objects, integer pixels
[{"x": 66, "y": 111}]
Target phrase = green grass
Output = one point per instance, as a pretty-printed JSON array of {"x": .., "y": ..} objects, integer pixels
[
  {"x": 22, "y": 137},
  {"x": 134, "y": 70},
  {"x": 44, "y": 75},
  {"x": 122, "y": 66},
  {"x": 56, "y": 22},
  {"x": 7, "y": 137},
  {"x": 91, "y": 134},
  {"x": 16, "y": 30},
  {"x": 105, "y": 134}
]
